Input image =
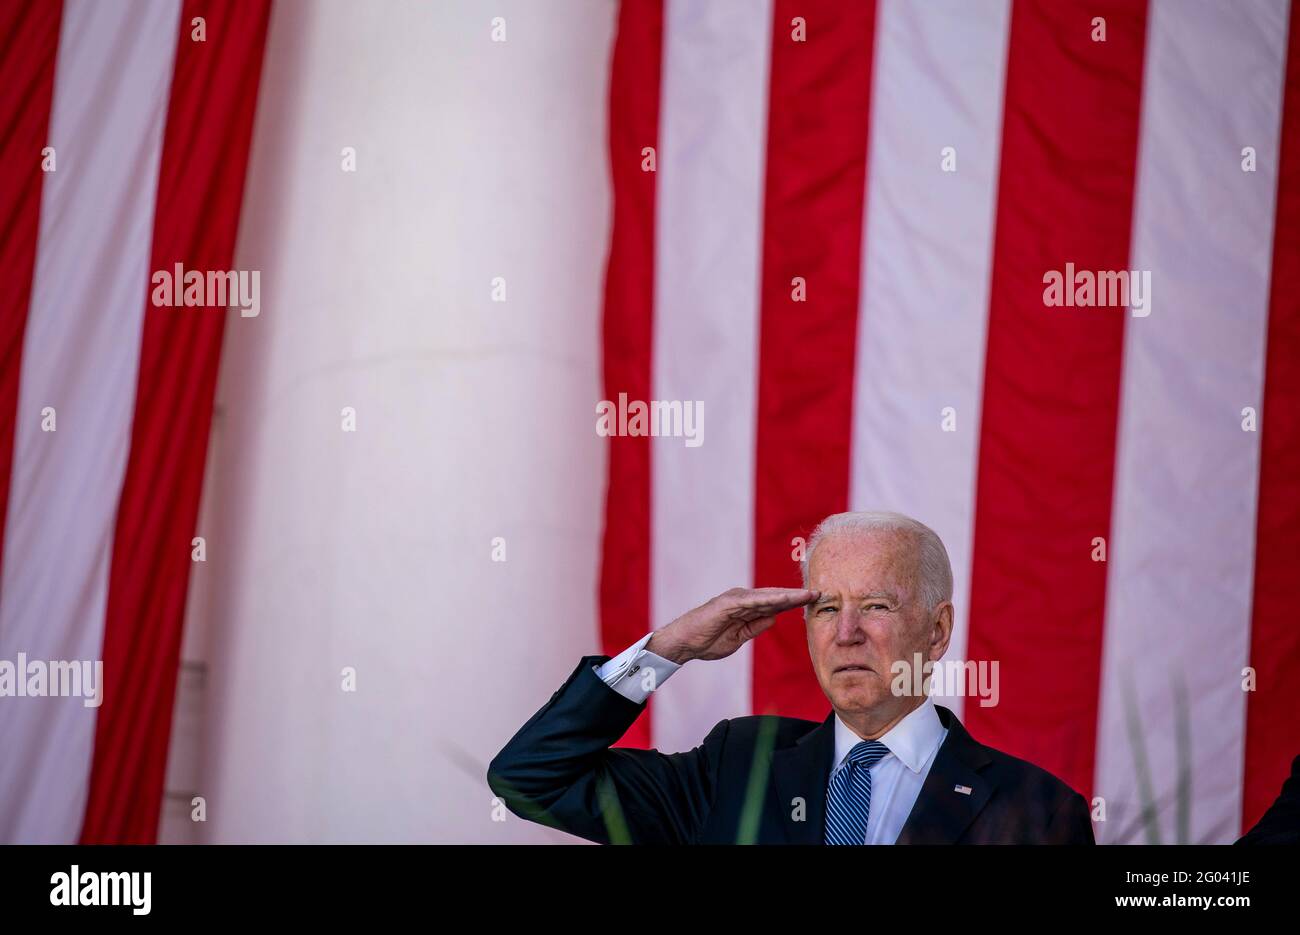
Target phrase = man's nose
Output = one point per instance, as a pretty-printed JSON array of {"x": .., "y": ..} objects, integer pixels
[{"x": 848, "y": 629}]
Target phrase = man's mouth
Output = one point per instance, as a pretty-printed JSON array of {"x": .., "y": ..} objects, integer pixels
[{"x": 853, "y": 668}]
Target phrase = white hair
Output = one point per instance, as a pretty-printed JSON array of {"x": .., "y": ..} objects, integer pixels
[{"x": 935, "y": 569}]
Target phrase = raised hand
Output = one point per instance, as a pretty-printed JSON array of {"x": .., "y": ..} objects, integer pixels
[{"x": 719, "y": 627}]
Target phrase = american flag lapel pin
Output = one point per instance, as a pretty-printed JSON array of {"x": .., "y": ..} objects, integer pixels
[{"x": 964, "y": 790}]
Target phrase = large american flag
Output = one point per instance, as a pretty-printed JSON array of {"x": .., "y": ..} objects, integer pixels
[
  {"x": 832, "y": 222},
  {"x": 918, "y": 167}
]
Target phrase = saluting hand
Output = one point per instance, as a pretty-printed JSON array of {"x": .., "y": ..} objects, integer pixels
[{"x": 719, "y": 627}]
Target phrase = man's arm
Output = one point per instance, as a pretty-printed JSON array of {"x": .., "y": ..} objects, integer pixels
[{"x": 559, "y": 769}]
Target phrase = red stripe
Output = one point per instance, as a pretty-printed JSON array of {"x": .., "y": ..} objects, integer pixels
[
  {"x": 1052, "y": 379},
  {"x": 29, "y": 45},
  {"x": 1272, "y": 728},
  {"x": 820, "y": 101},
  {"x": 200, "y": 186},
  {"x": 629, "y": 330}
]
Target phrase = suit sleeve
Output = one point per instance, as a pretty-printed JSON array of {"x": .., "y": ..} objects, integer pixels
[
  {"x": 1072, "y": 822},
  {"x": 560, "y": 770}
]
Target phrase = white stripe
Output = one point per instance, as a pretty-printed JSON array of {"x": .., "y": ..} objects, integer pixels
[
  {"x": 939, "y": 76},
  {"x": 80, "y": 356},
  {"x": 709, "y": 218},
  {"x": 1180, "y": 569}
]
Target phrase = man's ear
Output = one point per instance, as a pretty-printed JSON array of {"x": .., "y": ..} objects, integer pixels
[{"x": 940, "y": 630}]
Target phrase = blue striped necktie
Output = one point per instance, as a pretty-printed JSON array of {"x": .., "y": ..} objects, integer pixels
[{"x": 848, "y": 799}]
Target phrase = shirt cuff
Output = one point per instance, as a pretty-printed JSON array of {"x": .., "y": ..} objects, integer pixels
[{"x": 636, "y": 672}]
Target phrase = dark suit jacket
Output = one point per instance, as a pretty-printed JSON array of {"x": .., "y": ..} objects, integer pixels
[
  {"x": 760, "y": 779},
  {"x": 1281, "y": 823}
]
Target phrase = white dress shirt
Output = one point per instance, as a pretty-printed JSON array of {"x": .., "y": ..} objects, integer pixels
[
  {"x": 627, "y": 672},
  {"x": 896, "y": 778}
]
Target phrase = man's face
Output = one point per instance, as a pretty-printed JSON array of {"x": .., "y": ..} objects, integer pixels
[{"x": 870, "y": 615}]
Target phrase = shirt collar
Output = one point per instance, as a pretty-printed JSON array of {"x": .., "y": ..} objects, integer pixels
[{"x": 912, "y": 740}]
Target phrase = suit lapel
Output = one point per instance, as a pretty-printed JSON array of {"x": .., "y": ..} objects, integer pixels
[
  {"x": 943, "y": 809},
  {"x": 801, "y": 772}
]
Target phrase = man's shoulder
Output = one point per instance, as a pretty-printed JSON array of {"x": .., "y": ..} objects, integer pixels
[
  {"x": 1021, "y": 777},
  {"x": 1010, "y": 771},
  {"x": 774, "y": 730},
  {"x": 1029, "y": 775}
]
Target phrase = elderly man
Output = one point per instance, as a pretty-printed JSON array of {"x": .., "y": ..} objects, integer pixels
[{"x": 885, "y": 766}]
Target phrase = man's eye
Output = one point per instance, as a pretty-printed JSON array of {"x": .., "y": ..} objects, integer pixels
[
  {"x": 876, "y": 607},
  {"x": 825, "y": 607}
]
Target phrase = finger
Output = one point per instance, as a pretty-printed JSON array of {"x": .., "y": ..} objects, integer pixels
[
  {"x": 752, "y": 628},
  {"x": 784, "y": 598},
  {"x": 769, "y": 608}
]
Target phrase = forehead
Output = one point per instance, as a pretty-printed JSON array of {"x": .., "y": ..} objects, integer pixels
[{"x": 877, "y": 555}]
